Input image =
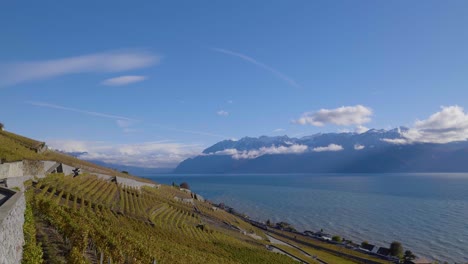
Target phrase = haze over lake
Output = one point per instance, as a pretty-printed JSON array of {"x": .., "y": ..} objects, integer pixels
[{"x": 427, "y": 212}]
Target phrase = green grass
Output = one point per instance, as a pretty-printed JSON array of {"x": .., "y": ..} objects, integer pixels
[{"x": 14, "y": 147}]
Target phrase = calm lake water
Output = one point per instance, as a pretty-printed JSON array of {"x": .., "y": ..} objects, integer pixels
[{"x": 428, "y": 213}]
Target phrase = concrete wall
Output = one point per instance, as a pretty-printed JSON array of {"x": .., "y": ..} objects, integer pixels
[
  {"x": 11, "y": 227},
  {"x": 22, "y": 168},
  {"x": 103, "y": 176},
  {"x": 33, "y": 167},
  {"x": 30, "y": 168},
  {"x": 48, "y": 164},
  {"x": 199, "y": 197},
  {"x": 17, "y": 182},
  {"x": 13, "y": 169},
  {"x": 132, "y": 183},
  {"x": 67, "y": 170}
]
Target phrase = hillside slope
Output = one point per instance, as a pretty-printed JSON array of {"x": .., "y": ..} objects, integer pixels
[
  {"x": 100, "y": 219},
  {"x": 85, "y": 219},
  {"x": 14, "y": 147}
]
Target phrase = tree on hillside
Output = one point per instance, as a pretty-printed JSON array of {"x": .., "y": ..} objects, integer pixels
[
  {"x": 337, "y": 239},
  {"x": 2, "y": 126},
  {"x": 409, "y": 255},
  {"x": 396, "y": 249},
  {"x": 185, "y": 186},
  {"x": 285, "y": 226}
]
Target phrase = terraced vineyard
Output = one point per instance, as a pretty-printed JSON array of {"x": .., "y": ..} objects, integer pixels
[
  {"x": 85, "y": 220},
  {"x": 99, "y": 219},
  {"x": 15, "y": 147}
]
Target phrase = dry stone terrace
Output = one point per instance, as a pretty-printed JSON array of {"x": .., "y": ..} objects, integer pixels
[
  {"x": 13, "y": 205},
  {"x": 12, "y": 209}
]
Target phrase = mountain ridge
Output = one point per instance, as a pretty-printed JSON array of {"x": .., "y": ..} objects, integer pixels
[{"x": 368, "y": 152}]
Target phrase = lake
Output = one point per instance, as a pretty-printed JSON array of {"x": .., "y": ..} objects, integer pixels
[{"x": 428, "y": 213}]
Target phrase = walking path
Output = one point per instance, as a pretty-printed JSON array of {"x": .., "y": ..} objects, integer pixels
[
  {"x": 284, "y": 243},
  {"x": 335, "y": 252}
]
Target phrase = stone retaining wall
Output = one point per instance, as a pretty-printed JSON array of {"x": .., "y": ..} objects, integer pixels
[
  {"x": 132, "y": 183},
  {"x": 11, "y": 227},
  {"x": 24, "y": 168},
  {"x": 12, "y": 169},
  {"x": 103, "y": 176},
  {"x": 31, "y": 168}
]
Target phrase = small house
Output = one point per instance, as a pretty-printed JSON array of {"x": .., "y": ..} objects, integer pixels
[
  {"x": 367, "y": 247},
  {"x": 385, "y": 252}
]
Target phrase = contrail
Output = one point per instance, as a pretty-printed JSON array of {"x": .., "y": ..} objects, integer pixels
[{"x": 278, "y": 74}]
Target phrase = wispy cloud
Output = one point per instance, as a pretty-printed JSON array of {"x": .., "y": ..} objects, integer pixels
[
  {"x": 331, "y": 147},
  {"x": 222, "y": 113},
  {"x": 124, "y": 122},
  {"x": 117, "y": 118},
  {"x": 156, "y": 154},
  {"x": 342, "y": 116},
  {"x": 188, "y": 131},
  {"x": 279, "y": 130},
  {"x": 123, "y": 80},
  {"x": 116, "y": 61},
  {"x": 244, "y": 57}
]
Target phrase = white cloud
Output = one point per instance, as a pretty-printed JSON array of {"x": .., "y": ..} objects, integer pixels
[
  {"x": 160, "y": 154},
  {"x": 331, "y": 147},
  {"x": 343, "y": 116},
  {"x": 448, "y": 125},
  {"x": 361, "y": 129},
  {"x": 222, "y": 113},
  {"x": 117, "y": 61},
  {"x": 124, "y": 80},
  {"x": 252, "y": 154},
  {"x": 244, "y": 57},
  {"x": 397, "y": 141},
  {"x": 279, "y": 130},
  {"x": 359, "y": 147}
]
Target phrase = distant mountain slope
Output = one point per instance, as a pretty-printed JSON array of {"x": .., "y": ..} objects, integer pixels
[{"x": 332, "y": 152}]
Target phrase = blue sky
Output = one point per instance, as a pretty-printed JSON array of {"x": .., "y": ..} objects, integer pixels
[{"x": 178, "y": 76}]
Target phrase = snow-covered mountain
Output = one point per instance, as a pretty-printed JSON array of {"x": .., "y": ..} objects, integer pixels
[{"x": 371, "y": 151}]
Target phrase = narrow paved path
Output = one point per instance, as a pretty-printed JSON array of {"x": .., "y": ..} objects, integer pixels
[
  {"x": 279, "y": 250},
  {"x": 277, "y": 241},
  {"x": 335, "y": 252}
]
